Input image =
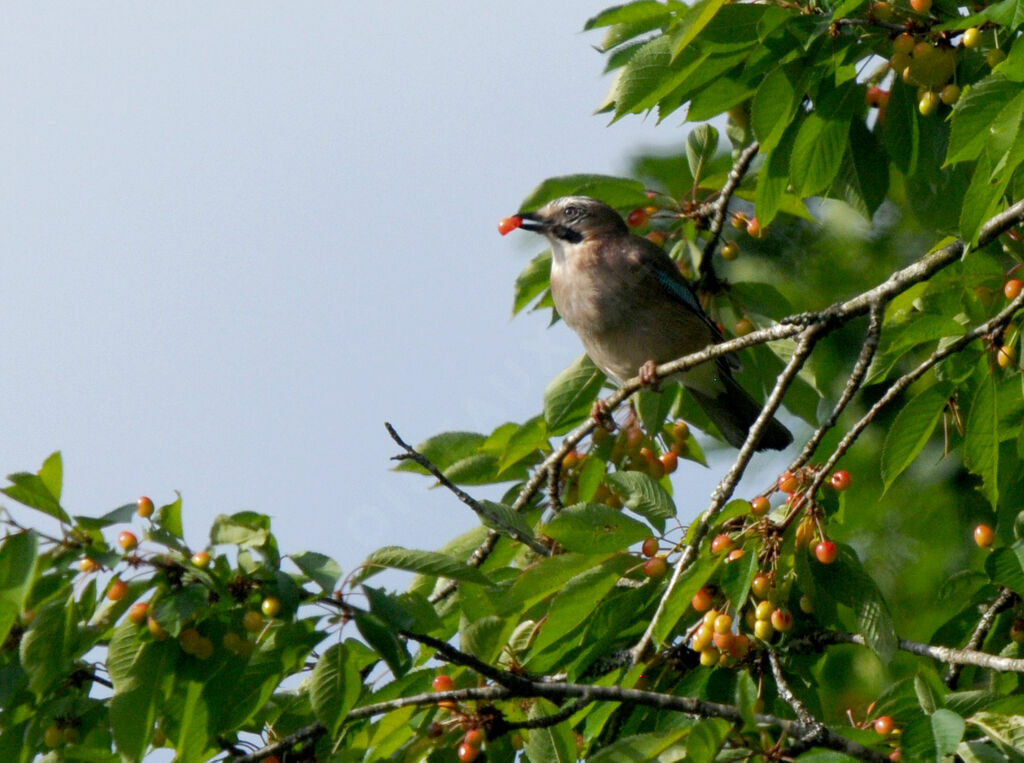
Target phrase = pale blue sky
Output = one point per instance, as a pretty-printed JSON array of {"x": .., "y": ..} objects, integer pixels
[{"x": 238, "y": 237}]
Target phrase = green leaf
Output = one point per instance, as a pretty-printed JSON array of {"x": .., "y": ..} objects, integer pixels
[
  {"x": 901, "y": 132},
  {"x": 554, "y": 744},
  {"x": 948, "y": 729},
  {"x": 319, "y": 568},
  {"x": 34, "y": 490},
  {"x": 654, "y": 406},
  {"x": 533, "y": 281},
  {"x": 382, "y": 639},
  {"x": 1007, "y": 731},
  {"x": 647, "y": 746},
  {"x": 818, "y": 153},
  {"x": 1008, "y": 13},
  {"x": 981, "y": 442},
  {"x": 613, "y": 191},
  {"x": 424, "y": 562},
  {"x": 701, "y": 147},
  {"x": 52, "y": 474},
  {"x": 17, "y": 571},
  {"x": 678, "y": 603},
  {"x": 773, "y": 106},
  {"x": 1005, "y": 566},
  {"x": 570, "y": 396},
  {"x": 503, "y": 519},
  {"x": 529, "y": 439},
  {"x": 848, "y": 583},
  {"x": 773, "y": 179},
  {"x": 45, "y": 648},
  {"x": 736, "y": 578},
  {"x": 643, "y": 496},
  {"x": 138, "y": 670},
  {"x": 577, "y": 599},
  {"x": 975, "y": 113},
  {"x": 335, "y": 687},
  {"x": 707, "y": 739},
  {"x": 595, "y": 528},
  {"x": 910, "y": 432},
  {"x": 641, "y": 10},
  {"x": 863, "y": 179},
  {"x": 693, "y": 23},
  {"x": 540, "y": 580}
]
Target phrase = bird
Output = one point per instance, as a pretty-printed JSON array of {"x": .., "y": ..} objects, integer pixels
[{"x": 630, "y": 306}]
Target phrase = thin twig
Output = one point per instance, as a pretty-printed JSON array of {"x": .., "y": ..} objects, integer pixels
[
  {"x": 554, "y": 719},
  {"x": 482, "y": 511},
  {"x": 1001, "y": 602},
  {"x": 787, "y": 695},
  {"x": 717, "y": 210},
  {"x": 816, "y": 641}
]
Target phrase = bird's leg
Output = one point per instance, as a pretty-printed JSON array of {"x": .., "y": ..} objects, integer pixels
[
  {"x": 648, "y": 375},
  {"x": 602, "y": 415}
]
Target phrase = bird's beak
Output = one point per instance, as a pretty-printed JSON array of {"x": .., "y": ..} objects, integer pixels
[{"x": 533, "y": 221}]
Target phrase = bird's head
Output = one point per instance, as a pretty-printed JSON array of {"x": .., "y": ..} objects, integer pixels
[{"x": 572, "y": 220}]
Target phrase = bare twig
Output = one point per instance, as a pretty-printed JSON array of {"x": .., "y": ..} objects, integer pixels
[
  {"x": 482, "y": 511},
  {"x": 816, "y": 641},
  {"x": 716, "y": 211},
  {"x": 787, "y": 695},
  {"x": 988, "y": 617}
]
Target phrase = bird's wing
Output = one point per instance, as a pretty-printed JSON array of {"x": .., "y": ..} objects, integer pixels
[{"x": 665, "y": 272}]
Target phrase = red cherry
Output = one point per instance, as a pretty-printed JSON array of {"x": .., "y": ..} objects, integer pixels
[
  {"x": 670, "y": 461},
  {"x": 840, "y": 480},
  {"x": 782, "y": 620},
  {"x": 760, "y": 506},
  {"x": 201, "y": 559},
  {"x": 127, "y": 540},
  {"x": 984, "y": 536},
  {"x": 788, "y": 483},
  {"x": 85, "y": 564},
  {"x": 754, "y": 228},
  {"x": 649, "y": 547},
  {"x": 638, "y": 218},
  {"x": 155, "y": 629},
  {"x": 743, "y": 327},
  {"x": 474, "y": 738},
  {"x": 760, "y": 585},
  {"x": 826, "y": 552},
  {"x": 701, "y": 601},
  {"x": 145, "y": 507},
  {"x": 736, "y": 553},
  {"x": 443, "y": 682},
  {"x": 739, "y": 220},
  {"x": 508, "y": 224},
  {"x": 883, "y": 725},
  {"x": 921, "y": 6},
  {"x": 655, "y": 567},
  {"x": 656, "y": 237},
  {"x": 118, "y": 590},
  {"x": 138, "y": 612},
  {"x": 1013, "y": 287},
  {"x": 467, "y": 753},
  {"x": 875, "y": 96},
  {"x": 721, "y": 543}
]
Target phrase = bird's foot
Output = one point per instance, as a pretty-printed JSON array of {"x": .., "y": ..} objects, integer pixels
[
  {"x": 602, "y": 415},
  {"x": 648, "y": 375}
]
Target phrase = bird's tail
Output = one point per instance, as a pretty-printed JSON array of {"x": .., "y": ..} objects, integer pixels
[{"x": 734, "y": 411}]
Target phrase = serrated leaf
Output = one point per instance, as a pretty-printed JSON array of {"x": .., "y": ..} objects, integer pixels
[
  {"x": 629, "y": 13},
  {"x": 848, "y": 583},
  {"x": 901, "y": 132},
  {"x": 647, "y": 746},
  {"x": 736, "y": 577},
  {"x": 545, "y": 577},
  {"x": 554, "y": 744},
  {"x": 533, "y": 281},
  {"x": 423, "y": 562},
  {"x": 981, "y": 442},
  {"x": 382, "y": 639},
  {"x": 643, "y": 496},
  {"x": 1006, "y": 730},
  {"x": 138, "y": 689},
  {"x": 773, "y": 106},
  {"x": 17, "y": 570},
  {"x": 948, "y": 729},
  {"x": 570, "y": 396},
  {"x": 818, "y": 153},
  {"x": 503, "y": 519},
  {"x": 319, "y": 568},
  {"x": 528, "y": 439},
  {"x": 33, "y": 490},
  {"x": 910, "y": 432},
  {"x": 701, "y": 147},
  {"x": 334, "y": 687},
  {"x": 613, "y": 191},
  {"x": 44, "y": 648},
  {"x": 1005, "y": 566},
  {"x": 595, "y": 528},
  {"x": 678, "y": 602}
]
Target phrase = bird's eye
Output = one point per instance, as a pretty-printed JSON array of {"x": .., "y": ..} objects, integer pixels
[{"x": 571, "y": 212}]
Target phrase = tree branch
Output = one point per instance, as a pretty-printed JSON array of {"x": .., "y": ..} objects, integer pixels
[
  {"x": 1001, "y": 602},
  {"x": 717, "y": 210},
  {"x": 482, "y": 511}
]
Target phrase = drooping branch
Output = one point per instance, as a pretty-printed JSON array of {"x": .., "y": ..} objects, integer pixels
[{"x": 716, "y": 212}]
